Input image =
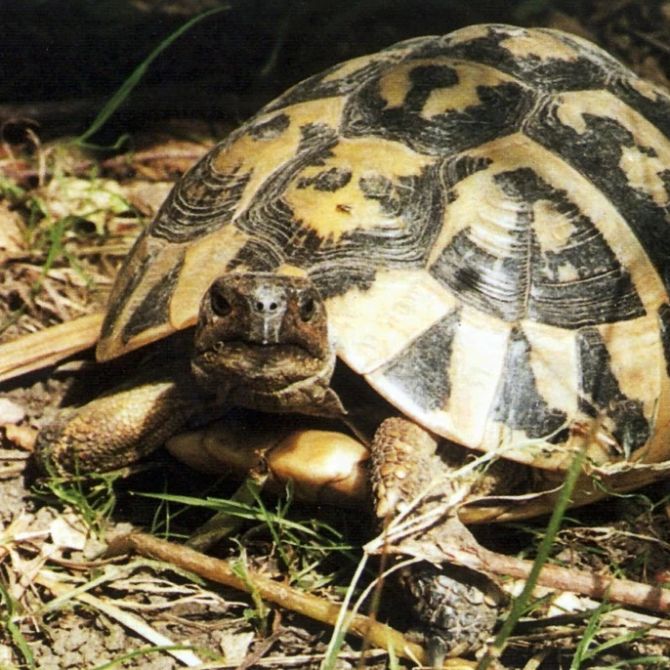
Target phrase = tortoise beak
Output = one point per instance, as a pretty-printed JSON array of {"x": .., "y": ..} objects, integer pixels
[
  {"x": 260, "y": 329},
  {"x": 263, "y": 309}
]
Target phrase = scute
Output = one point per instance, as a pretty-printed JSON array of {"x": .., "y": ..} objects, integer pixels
[{"x": 486, "y": 214}]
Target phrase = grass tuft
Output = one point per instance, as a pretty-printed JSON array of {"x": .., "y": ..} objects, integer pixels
[
  {"x": 8, "y": 617},
  {"x": 91, "y": 497}
]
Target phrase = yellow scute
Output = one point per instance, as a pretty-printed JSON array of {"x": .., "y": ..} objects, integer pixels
[
  {"x": 332, "y": 213},
  {"x": 644, "y": 173},
  {"x": 260, "y": 157},
  {"x": 471, "y": 78},
  {"x": 546, "y": 45},
  {"x": 205, "y": 260}
]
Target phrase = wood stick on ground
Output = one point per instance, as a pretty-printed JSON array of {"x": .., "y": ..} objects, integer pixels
[
  {"x": 599, "y": 587},
  {"x": 49, "y": 346},
  {"x": 221, "y": 571}
]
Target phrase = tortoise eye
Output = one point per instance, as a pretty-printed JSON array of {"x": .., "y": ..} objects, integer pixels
[
  {"x": 307, "y": 309},
  {"x": 220, "y": 304}
]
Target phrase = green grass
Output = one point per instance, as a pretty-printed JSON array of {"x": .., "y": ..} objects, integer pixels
[
  {"x": 259, "y": 614},
  {"x": 92, "y": 497},
  {"x": 120, "y": 96},
  {"x": 521, "y": 603},
  {"x": 47, "y": 234},
  {"x": 8, "y": 616},
  {"x": 588, "y": 649},
  {"x": 302, "y": 546}
]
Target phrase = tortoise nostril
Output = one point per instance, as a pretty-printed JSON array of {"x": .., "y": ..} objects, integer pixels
[{"x": 269, "y": 307}]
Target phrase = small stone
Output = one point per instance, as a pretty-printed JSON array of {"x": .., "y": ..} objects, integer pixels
[
  {"x": 68, "y": 533},
  {"x": 10, "y": 412},
  {"x": 23, "y": 437},
  {"x": 235, "y": 646}
]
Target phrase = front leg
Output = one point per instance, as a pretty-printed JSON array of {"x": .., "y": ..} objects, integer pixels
[
  {"x": 456, "y": 608},
  {"x": 117, "y": 428}
]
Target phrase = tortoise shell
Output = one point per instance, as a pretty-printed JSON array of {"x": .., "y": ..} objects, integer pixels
[{"x": 486, "y": 214}]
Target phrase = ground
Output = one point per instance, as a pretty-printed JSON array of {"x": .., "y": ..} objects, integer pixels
[{"x": 68, "y": 214}]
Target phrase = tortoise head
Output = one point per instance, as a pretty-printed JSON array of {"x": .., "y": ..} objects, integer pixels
[{"x": 261, "y": 341}]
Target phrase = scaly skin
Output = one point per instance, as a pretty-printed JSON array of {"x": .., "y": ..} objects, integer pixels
[
  {"x": 116, "y": 429},
  {"x": 256, "y": 345},
  {"x": 456, "y": 607}
]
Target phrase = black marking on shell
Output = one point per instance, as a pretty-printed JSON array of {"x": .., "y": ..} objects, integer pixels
[
  {"x": 335, "y": 265},
  {"x": 601, "y": 291},
  {"x": 601, "y": 396},
  {"x": 492, "y": 285},
  {"x": 331, "y": 180},
  {"x": 457, "y": 169},
  {"x": 336, "y": 277},
  {"x": 519, "y": 404},
  {"x": 416, "y": 203},
  {"x": 379, "y": 187},
  {"x": 375, "y": 186},
  {"x": 257, "y": 255},
  {"x": 316, "y": 141},
  {"x": 129, "y": 276},
  {"x": 525, "y": 281},
  {"x": 501, "y": 111},
  {"x": 270, "y": 128},
  {"x": 324, "y": 85},
  {"x": 656, "y": 111},
  {"x": 269, "y": 220},
  {"x": 155, "y": 307},
  {"x": 596, "y": 152},
  {"x": 421, "y": 370},
  {"x": 591, "y": 69},
  {"x": 425, "y": 79},
  {"x": 201, "y": 202},
  {"x": 664, "y": 326}
]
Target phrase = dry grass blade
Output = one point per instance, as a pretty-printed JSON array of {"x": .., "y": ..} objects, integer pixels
[{"x": 130, "y": 621}]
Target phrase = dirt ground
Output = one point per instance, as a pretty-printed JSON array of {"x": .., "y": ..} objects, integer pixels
[{"x": 67, "y": 217}]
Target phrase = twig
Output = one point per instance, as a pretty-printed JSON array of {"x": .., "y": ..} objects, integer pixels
[
  {"x": 600, "y": 587},
  {"x": 316, "y": 608},
  {"x": 43, "y": 348}
]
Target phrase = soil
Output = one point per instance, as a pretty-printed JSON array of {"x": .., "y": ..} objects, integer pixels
[{"x": 62, "y": 605}]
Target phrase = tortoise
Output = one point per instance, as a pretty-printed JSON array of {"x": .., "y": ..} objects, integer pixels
[{"x": 476, "y": 224}]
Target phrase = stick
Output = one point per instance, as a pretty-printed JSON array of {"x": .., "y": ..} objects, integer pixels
[
  {"x": 598, "y": 587},
  {"x": 221, "y": 571},
  {"x": 49, "y": 346}
]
